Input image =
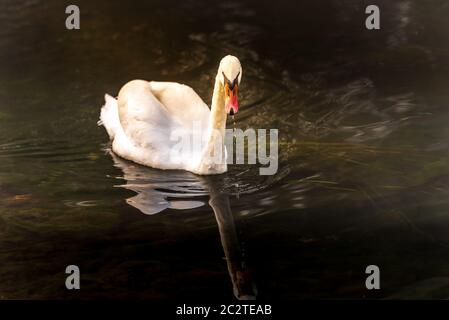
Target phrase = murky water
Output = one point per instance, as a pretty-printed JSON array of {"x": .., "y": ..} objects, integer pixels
[{"x": 364, "y": 152}]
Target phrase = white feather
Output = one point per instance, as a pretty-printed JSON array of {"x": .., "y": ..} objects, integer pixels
[{"x": 148, "y": 120}]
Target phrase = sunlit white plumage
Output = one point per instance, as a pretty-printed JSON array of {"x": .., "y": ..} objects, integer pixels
[{"x": 148, "y": 120}]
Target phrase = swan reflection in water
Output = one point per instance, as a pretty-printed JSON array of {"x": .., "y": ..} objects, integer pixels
[{"x": 158, "y": 190}]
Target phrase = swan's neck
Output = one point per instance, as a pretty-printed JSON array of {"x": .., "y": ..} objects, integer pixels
[
  {"x": 218, "y": 113},
  {"x": 213, "y": 158}
]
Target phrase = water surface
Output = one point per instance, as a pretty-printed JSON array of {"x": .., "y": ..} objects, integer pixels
[{"x": 363, "y": 157}]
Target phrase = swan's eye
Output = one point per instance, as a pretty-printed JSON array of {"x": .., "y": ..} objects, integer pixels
[
  {"x": 225, "y": 79},
  {"x": 230, "y": 85}
]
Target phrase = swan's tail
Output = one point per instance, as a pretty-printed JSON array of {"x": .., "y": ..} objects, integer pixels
[{"x": 109, "y": 116}]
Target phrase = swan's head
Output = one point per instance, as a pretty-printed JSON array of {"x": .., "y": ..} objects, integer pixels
[{"x": 230, "y": 73}]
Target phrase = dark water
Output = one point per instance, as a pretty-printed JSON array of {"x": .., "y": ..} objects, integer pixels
[{"x": 364, "y": 152}]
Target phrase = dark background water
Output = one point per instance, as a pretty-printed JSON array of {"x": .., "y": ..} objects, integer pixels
[{"x": 364, "y": 151}]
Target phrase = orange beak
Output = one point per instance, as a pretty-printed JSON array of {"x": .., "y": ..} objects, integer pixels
[{"x": 232, "y": 102}]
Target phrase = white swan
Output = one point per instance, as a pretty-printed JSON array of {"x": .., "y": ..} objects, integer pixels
[{"x": 166, "y": 125}]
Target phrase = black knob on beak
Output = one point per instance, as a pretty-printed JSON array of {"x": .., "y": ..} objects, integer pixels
[{"x": 231, "y": 112}]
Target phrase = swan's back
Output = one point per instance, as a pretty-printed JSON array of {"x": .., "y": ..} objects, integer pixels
[
  {"x": 145, "y": 118},
  {"x": 141, "y": 114},
  {"x": 181, "y": 102}
]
